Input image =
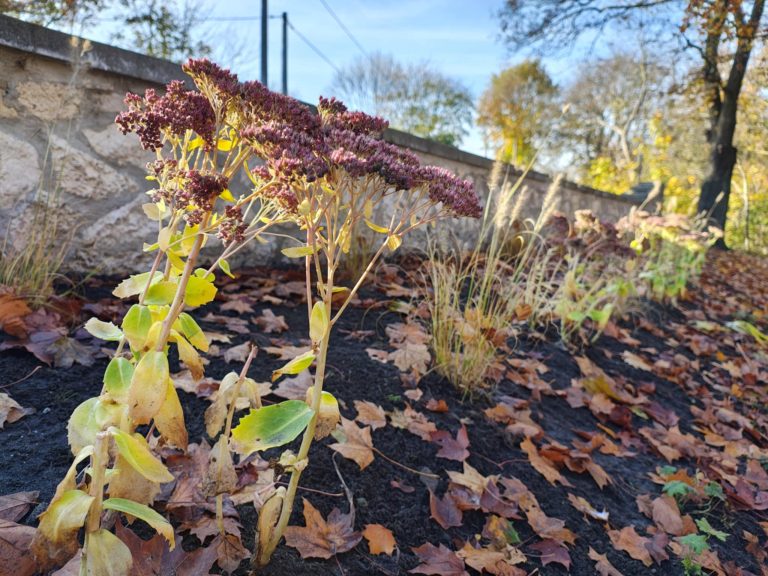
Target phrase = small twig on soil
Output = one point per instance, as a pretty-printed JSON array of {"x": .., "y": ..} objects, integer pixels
[
  {"x": 36, "y": 368},
  {"x": 501, "y": 464},
  {"x": 403, "y": 466},
  {"x": 330, "y": 494}
]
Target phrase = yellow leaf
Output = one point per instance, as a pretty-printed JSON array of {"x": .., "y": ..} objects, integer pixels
[
  {"x": 148, "y": 387},
  {"x": 295, "y": 366},
  {"x": 170, "y": 419},
  {"x": 376, "y": 227},
  {"x": 107, "y": 555},
  {"x": 227, "y": 195},
  {"x": 318, "y": 322},
  {"x": 298, "y": 251},
  {"x": 394, "y": 241},
  {"x": 135, "y": 450},
  {"x": 189, "y": 356},
  {"x": 66, "y": 516}
]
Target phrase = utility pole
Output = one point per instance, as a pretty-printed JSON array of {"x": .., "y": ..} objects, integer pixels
[
  {"x": 285, "y": 53},
  {"x": 264, "y": 22}
]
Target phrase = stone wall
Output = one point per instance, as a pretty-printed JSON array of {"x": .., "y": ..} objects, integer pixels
[{"x": 58, "y": 144}]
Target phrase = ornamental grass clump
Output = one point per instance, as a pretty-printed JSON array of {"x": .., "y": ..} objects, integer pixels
[{"x": 326, "y": 173}]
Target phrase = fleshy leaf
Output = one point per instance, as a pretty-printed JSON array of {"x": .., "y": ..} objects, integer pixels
[
  {"x": 136, "y": 452},
  {"x": 148, "y": 387},
  {"x": 103, "y": 330},
  {"x": 271, "y": 426},
  {"x": 142, "y": 512},
  {"x": 318, "y": 322},
  {"x": 136, "y": 325},
  {"x": 107, "y": 555},
  {"x": 117, "y": 378},
  {"x": 295, "y": 366}
]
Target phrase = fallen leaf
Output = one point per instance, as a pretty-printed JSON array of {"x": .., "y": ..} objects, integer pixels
[
  {"x": 295, "y": 388},
  {"x": 319, "y": 538},
  {"x": 450, "y": 448},
  {"x": 553, "y": 551},
  {"x": 636, "y": 361},
  {"x": 542, "y": 465},
  {"x": 666, "y": 515},
  {"x": 358, "y": 444},
  {"x": 444, "y": 510},
  {"x": 437, "y": 405},
  {"x": 438, "y": 560},
  {"x": 496, "y": 562},
  {"x": 583, "y": 506},
  {"x": 380, "y": 539},
  {"x": 269, "y": 323},
  {"x": 238, "y": 353},
  {"x": 11, "y": 411},
  {"x": 603, "y": 566},
  {"x": 14, "y": 507},
  {"x": 629, "y": 541},
  {"x": 370, "y": 414},
  {"x": 15, "y": 540},
  {"x": 413, "y": 421}
]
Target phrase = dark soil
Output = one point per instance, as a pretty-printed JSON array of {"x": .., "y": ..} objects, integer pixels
[{"x": 35, "y": 453}]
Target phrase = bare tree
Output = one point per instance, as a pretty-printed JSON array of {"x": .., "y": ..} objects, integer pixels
[{"x": 414, "y": 98}]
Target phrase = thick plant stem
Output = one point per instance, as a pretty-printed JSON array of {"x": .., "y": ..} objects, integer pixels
[
  {"x": 306, "y": 441},
  {"x": 99, "y": 461}
]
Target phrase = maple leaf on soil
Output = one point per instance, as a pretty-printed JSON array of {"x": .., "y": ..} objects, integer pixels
[
  {"x": 319, "y": 538},
  {"x": 13, "y": 507},
  {"x": 496, "y": 562},
  {"x": 15, "y": 540},
  {"x": 295, "y": 388},
  {"x": 602, "y": 565},
  {"x": 444, "y": 510},
  {"x": 11, "y": 411},
  {"x": 629, "y": 541},
  {"x": 358, "y": 444},
  {"x": 452, "y": 448},
  {"x": 380, "y": 539},
  {"x": 239, "y": 305},
  {"x": 413, "y": 421},
  {"x": 237, "y": 353},
  {"x": 542, "y": 465},
  {"x": 553, "y": 551},
  {"x": 370, "y": 414},
  {"x": 583, "y": 506},
  {"x": 12, "y": 312},
  {"x": 438, "y": 560},
  {"x": 269, "y": 323}
]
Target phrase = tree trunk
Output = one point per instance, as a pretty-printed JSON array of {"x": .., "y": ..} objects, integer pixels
[{"x": 716, "y": 188}]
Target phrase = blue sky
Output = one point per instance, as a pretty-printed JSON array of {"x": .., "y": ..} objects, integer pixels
[{"x": 458, "y": 37}]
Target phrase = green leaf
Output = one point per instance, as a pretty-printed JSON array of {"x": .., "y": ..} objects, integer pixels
[
  {"x": 66, "y": 516},
  {"x": 135, "y": 450},
  {"x": 696, "y": 542},
  {"x": 193, "y": 332},
  {"x": 148, "y": 387},
  {"x": 271, "y": 426},
  {"x": 318, "y": 322},
  {"x": 107, "y": 555},
  {"x": 298, "y": 364},
  {"x": 200, "y": 290},
  {"x": 136, "y": 325},
  {"x": 298, "y": 251},
  {"x": 676, "y": 488},
  {"x": 142, "y": 512},
  {"x": 133, "y": 285},
  {"x": 161, "y": 293},
  {"x": 707, "y": 528},
  {"x": 103, "y": 330},
  {"x": 117, "y": 378},
  {"x": 224, "y": 265}
]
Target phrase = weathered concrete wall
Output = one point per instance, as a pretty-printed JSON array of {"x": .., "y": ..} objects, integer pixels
[{"x": 58, "y": 143}]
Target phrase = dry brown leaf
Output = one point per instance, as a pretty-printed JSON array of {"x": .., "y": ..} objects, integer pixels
[
  {"x": 438, "y": 560},
  {"x": 496, "y": 562},
  {"x": 470, "y": 478},
  {"x": 13, "y": 507},
  {"x": 10, "y": 410},
  {"x": 452, "y": 448},
  {"x": 238, "y": 353},
  {"x": 411, "y": 356},
  {"x": 413, "y": 421},
  {"x": 358, "y": 444},
  {"x": 636, "y": 361},
  {"x": 15, "y": 540},
  {"x": 603, "y": 566},
  {"x": 629, "y": 541},
  {"x": 295, "y": 388},
  {"x": 370, "y": 414},
  {"x": 542, "y": 465},
  {"x": 319, "y": 538},
  {"x": 553, "y": 551},
  {"x": 380, "y": 539},
  {"x": 269, "y": 323},
  {"x": 583, "y": 506},
  {"x": 666, "y": 514},
  {"x": 444, "y": 510},
  {"x": 12, "y": 311}
]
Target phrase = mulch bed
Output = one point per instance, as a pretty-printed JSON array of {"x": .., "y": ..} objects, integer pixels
[{"x": 35, "y": 453}]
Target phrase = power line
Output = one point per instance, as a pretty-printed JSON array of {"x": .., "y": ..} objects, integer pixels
[
  {"x": 341, "y": 25},
  {"x": 313, "y": 47}
]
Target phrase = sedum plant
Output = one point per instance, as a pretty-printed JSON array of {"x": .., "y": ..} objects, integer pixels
[
  {"x": 356, "y": 179},
  {"x": 326, "y": 173},
  {"x": 203, "y": 140}
]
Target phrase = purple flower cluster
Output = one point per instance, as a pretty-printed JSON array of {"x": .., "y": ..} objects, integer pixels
[
  {"x": 176, "y": 111},
  {"x": 232, "y": 228},
  {"x": 200, "y": 191},
  {"x": 297, "y": 146}
]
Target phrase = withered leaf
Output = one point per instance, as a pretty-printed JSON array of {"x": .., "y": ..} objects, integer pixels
[
  {"x": 603, "y": 566},
  {"x": 629, "y": 541},
  {"x": 450, "y": 448},
  {"x": 10, "y": 410},
  {"x": 413, "y": 421},
  {"x": 583, "y": 506},
  {"x": 553, "y": 551},
  {"x": 380, "y": 539},
  {"x": 13, "y": 507},
  {"x": 497, "y": 562},
  {"x": 269, "y": 323},
  {"x": 319, "y": 538},
  {"x": 370, "y": 414},
  {"x": 358, "y": 444},
  {"x": 542, "y": 465},
  {"x": 444, "y": 510},
  {"x": 438, "y": 560},
  {"x": 666, "y": 515},
  {"x": 15, "y": 540}
]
